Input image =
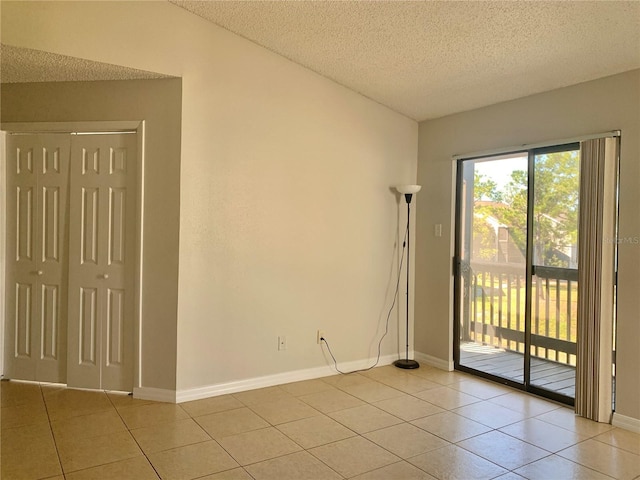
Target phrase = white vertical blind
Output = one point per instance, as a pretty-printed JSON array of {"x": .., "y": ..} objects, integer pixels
[{"x": 596, "y": 266}]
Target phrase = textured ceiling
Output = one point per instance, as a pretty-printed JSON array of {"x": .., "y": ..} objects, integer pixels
[
  {"x": 433, "y": 58},
  {"x": 20, "y": 65}
]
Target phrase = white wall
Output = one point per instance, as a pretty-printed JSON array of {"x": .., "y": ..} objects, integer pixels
[
  {"x": 287, "y": 222},
  {"x": 603, "y": 105}
]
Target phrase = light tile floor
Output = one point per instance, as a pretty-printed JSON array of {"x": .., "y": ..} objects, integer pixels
[{"x": 386, "y": 424}]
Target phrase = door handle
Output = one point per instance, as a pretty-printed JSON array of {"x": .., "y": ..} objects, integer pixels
[
  {"x": 104, "y": 276},
  {"x": 39, "y": 273}
]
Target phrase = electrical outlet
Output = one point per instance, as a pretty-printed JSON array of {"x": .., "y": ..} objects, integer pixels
[
  {"x": 282, "y": 342},
  {"x": 319, "y": 337}
]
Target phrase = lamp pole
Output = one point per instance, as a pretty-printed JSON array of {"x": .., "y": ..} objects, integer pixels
[{"x": 408, "y": 191}]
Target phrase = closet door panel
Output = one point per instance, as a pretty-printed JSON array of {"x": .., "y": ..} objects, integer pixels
[
  {"x": 37, "y": 181},
  {"x": 115, "y": 328},
  {"x": 22, "y": 267},
  {"x": 86, "y": 257},
  {"x": 118, "y": 330},
  {"x": 102, "y": 245},
  {"x": 53, "y": 184},
  {"x": 22, "y": 323}
]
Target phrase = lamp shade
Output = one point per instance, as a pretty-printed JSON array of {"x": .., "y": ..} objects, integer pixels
[{"x": 408, "y": 188}]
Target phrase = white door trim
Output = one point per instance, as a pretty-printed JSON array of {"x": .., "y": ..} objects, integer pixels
[
  {"x": 71, "y": 127},
  {"x": 81, "y": 127}
]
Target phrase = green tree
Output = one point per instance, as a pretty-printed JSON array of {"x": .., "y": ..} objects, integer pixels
[
  {"x": 514, "y": 212},
  {"x": 486, "y": 196},
  {"x": 556, "y": 196},
  {"x": 485, "y": 189},
  {"x": 555, "y": 214}
]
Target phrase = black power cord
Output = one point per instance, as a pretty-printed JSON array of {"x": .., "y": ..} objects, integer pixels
[{"x": 386, "y": 327}]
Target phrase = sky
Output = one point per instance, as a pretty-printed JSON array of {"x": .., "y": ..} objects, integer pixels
[{"x": 499, "y": 168}]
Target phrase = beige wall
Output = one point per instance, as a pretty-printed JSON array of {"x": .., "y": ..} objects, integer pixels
[
  {"x": 602, "y": 105},
  {"x": 158, "y": 102},
  {"x": 287, "y": 221}
]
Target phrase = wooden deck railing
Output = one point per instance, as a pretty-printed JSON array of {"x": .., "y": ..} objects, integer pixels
[{"x": 495, "y": 311}]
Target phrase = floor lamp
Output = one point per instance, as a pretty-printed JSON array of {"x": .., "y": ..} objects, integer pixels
[{"x": 408, "y": 191}]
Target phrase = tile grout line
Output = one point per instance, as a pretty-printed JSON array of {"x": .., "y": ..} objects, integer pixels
[
  {"x": 456, "y": 443},
  {"x": 55, "y": 443},
  {"x": 217, "y": 442},
  {"x": 132, "y": 436},
  {"x": 473, "y": 436},
  {"x": 402, "y": 422},
  {"x": 362, "y": 435},
  {"x": 271, "y": 425},
  {"x": 408, "y": 422}
]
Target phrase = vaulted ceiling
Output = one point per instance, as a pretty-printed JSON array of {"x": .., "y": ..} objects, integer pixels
[
  {"x": 427, "y": 59},
  {"x": 424, "y": 59}
]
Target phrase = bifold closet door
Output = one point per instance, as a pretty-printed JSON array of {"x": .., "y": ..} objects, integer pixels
[
  {"x": 36, "y": 272},
  {"x": 101, "y": 263}
]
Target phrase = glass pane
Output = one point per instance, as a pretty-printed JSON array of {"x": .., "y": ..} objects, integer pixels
[
  {"x": 493, "y": 238},
  {"x": 554, "y": 292}
]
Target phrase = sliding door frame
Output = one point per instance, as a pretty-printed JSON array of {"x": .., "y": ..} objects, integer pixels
[
  {"x": 531, "y": 152},
  {"x": 457, "y": 272}
]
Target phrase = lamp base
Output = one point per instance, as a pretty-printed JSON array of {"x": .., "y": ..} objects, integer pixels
[{"x": 406, "y": 364}]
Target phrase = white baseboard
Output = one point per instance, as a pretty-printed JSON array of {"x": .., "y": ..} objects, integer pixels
[
  {"x": 434, "y": 361},
  {"x": 271, "y": 380},
  {"x": 156, "y": 394},
  {"x": 628, "y": 423}
]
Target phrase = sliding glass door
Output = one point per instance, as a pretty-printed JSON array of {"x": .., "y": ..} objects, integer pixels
[
  {"x": 516, "y": 278},
  {"x": 554, "y": 269}
]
